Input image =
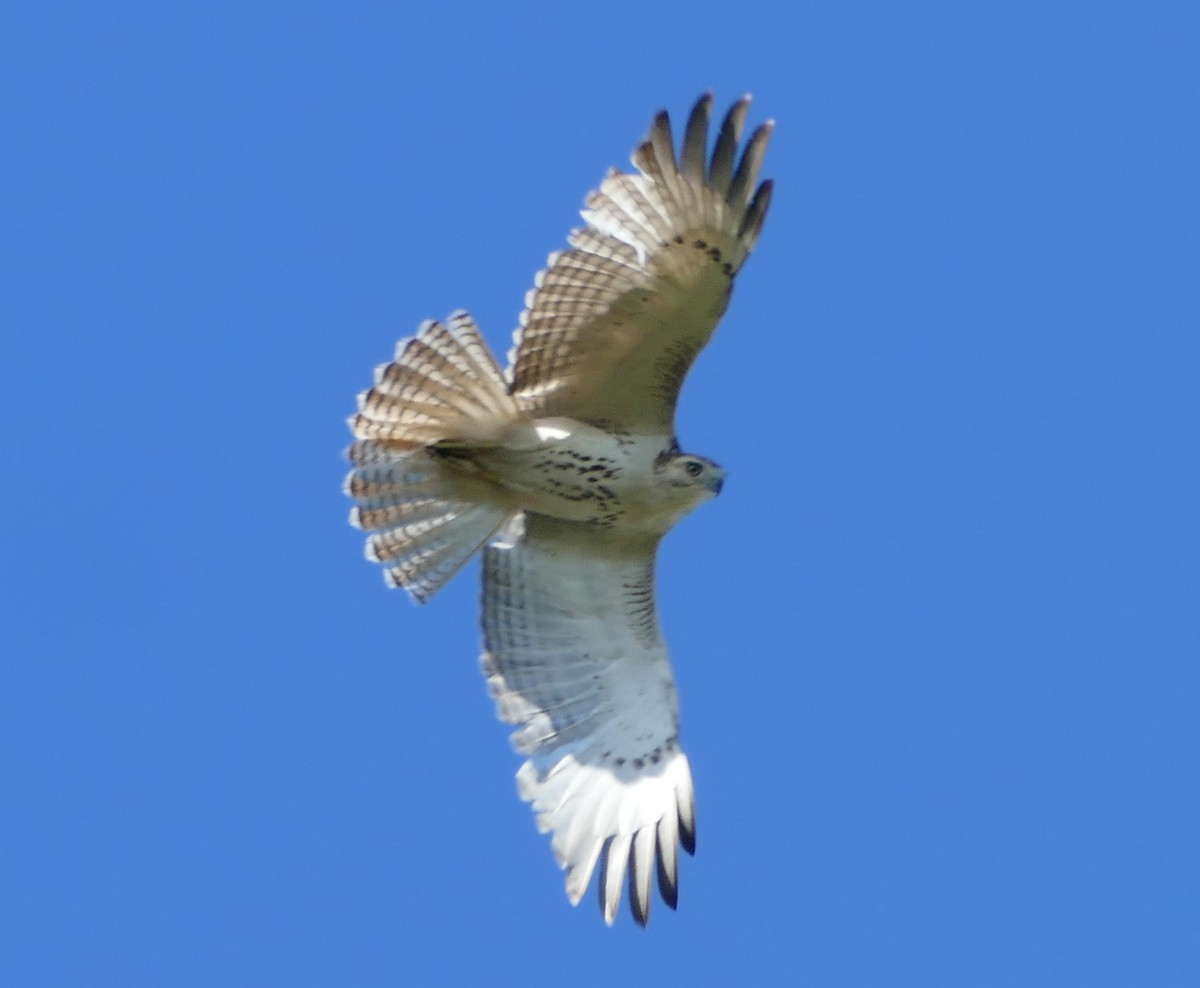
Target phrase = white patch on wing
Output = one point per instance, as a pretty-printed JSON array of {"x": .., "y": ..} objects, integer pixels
[{"x": 551, "y": 432}]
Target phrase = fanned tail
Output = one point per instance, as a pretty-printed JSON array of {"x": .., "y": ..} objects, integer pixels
[{"x": 425, "y": 517}]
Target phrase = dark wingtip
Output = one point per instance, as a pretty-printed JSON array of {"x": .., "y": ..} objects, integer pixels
[
  {"x": 756, "y": 212},
  {"x": 640, "y": 908},
  {"x": 687, "y": 836},
  {"x": 601, "y": 869},
  {"x": 695, "y": 139},
  {"x": 668, "y": 885}
]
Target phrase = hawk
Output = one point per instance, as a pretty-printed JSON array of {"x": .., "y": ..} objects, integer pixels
[{"x": 565, "y": 470}]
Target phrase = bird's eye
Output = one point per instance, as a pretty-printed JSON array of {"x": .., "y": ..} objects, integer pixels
[{"x": 694, "y": 469}]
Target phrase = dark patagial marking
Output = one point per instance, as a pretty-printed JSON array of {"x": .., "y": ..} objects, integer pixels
[
  {"x": 671, "y": 366},
  {"x": 620, "y": 435},
  {"x": 639, "y": 599}
]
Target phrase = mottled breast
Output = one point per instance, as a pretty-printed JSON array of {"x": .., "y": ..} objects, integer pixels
[{"x": 577, "y": 485}]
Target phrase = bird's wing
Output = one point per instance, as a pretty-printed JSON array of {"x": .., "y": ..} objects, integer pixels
[
  {"x": 573, "y": 657},
  {"x": 613, "y": 324}
]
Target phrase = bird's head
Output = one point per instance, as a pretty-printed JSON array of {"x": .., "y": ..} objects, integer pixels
[{"x": 689, "y": 479}]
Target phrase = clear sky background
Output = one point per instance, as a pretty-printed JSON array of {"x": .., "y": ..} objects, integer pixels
[{"x": 938, "y": 641}]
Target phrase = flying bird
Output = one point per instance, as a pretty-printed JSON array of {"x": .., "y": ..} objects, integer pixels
[{"x": 565, "y": 470}]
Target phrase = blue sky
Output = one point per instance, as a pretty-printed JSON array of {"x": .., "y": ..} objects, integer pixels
[{"x": 937, "y": 641}]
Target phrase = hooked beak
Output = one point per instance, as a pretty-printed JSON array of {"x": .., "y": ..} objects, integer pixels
[{"x": 715, "y": 483}]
